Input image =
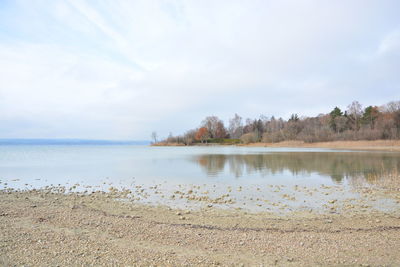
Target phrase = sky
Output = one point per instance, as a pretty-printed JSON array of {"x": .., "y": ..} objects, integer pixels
[{"x": 123, "y": 69}]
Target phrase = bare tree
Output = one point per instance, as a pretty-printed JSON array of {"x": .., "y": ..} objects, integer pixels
[
  {"x": 189, "y": 137},
  {"x": 340, "y": 123},
  {"x": 220, "y": 131},
  {"x": 154, "y": 136},
  {"x": 213, "y": 125},
  {"x": 236, "y": 127},
  {"x": 354, "y": 112},
  {"x": 392, "y": 106}
]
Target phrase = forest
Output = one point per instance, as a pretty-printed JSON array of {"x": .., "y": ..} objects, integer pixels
[{"x": 354, "y": 123}]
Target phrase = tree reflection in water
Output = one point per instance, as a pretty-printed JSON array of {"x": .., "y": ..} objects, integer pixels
[{"x": 337, "y": 165}]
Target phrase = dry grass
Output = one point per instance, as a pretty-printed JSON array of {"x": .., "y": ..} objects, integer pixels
[
  {"x": 167, "y": 144},
  {"x": 388, "y": 180},
  {"x": 379, "y": 145}
]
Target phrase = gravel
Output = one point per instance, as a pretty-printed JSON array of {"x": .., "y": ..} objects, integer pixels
[{"x": 57, "y": 229}]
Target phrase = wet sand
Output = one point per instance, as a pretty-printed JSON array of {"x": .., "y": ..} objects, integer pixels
[{"x": 42, "y": 228}]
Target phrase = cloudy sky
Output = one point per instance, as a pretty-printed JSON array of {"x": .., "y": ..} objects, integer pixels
[{"x": 121, "y": 69}]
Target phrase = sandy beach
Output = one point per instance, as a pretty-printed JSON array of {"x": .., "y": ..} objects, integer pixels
[{"x": 41, "y": 228}]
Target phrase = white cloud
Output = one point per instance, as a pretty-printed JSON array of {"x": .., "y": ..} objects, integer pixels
[
  {"x": 120, "y": 69},
  {"x": 390, "y": 44}
]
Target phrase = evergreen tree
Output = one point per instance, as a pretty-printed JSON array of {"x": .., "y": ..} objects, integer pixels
[{"x": 335, "y": 113}]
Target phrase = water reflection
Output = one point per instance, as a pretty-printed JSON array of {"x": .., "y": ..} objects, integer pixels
[{"x": 337, "y": 165}]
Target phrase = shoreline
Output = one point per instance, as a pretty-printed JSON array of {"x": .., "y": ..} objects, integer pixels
[
  {"x": 374, "y": 145},
  {"x": 40, "y": 227}
]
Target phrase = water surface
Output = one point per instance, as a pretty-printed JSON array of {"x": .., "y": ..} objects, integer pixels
[{"x": 252, "y": 177}]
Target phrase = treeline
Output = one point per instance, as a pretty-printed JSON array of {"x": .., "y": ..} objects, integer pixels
[{"x": 354, "y": 123}]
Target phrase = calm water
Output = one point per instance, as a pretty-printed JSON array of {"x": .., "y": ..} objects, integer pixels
[{"x": 246, "y": 173}]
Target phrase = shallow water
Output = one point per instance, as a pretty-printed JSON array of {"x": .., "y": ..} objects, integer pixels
[{"x": 266, "y": 179}]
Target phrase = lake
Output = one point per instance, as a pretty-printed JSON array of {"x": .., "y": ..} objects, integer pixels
[{"x": 257, "y": 179}]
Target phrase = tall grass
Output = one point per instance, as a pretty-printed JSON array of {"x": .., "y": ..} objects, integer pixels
[{"x": 387, "y": 180}]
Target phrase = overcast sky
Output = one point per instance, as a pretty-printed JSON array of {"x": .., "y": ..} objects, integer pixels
[{"x": 121, "y": 69}]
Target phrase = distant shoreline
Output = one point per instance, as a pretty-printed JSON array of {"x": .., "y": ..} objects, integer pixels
[
  {"x": 33, "y": 141},
  {"x": 375, "y": 145}
]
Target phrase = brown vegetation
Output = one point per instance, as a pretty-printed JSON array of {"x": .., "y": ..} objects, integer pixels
[
  {"x": 355, "y": 123},
  {"x": 379, "y": 145},
  {"x": 168, "y": 144}
]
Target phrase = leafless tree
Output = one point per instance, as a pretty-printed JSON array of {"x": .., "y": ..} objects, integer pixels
[
  {"x": 354, "y": 112},
  {"x": 392, "y": 106},
  {"x": 236, "y": 127},
  {"x": 189, "y": 137},
  {"x": 215, "y": 127},
  {"x": 154, "y": 136}
]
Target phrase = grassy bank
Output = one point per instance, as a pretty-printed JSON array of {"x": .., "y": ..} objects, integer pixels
[
  {"x": 212, "y": 141},
  {"x": 375, "y": 145},
  {"x": 378, "y": 145}
]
